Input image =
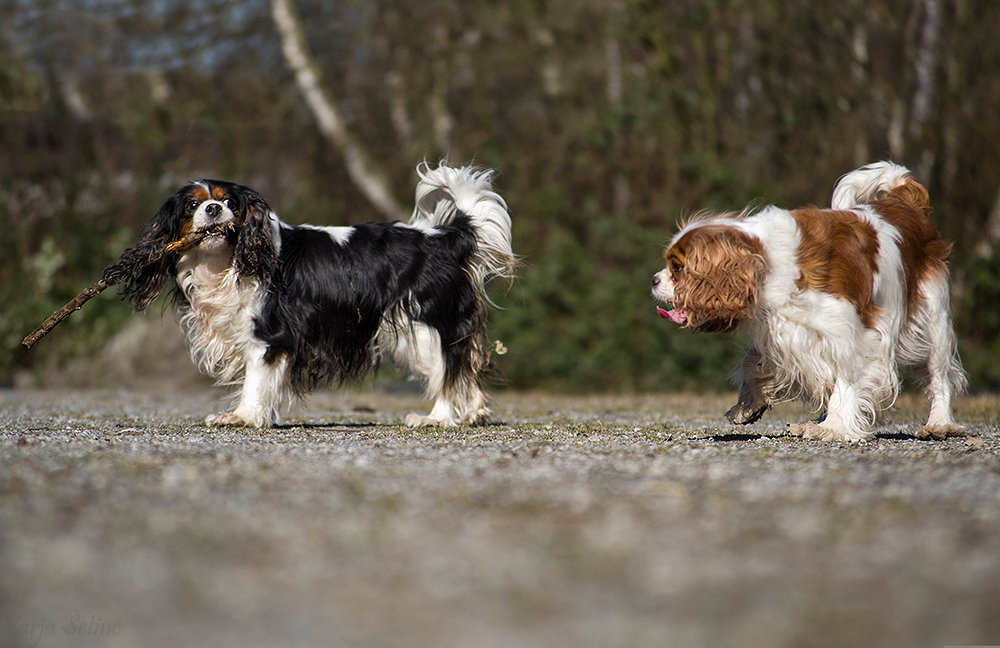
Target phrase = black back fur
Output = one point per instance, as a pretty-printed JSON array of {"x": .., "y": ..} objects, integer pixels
[{"x": 328, "y": 300}]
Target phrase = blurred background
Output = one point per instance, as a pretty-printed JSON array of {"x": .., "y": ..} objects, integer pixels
[{"x": 606, "y": 120}]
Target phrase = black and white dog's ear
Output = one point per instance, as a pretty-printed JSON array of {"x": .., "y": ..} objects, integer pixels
[
  {"x": 256, "y": 247},
  {"x": 141, "y": 281}
]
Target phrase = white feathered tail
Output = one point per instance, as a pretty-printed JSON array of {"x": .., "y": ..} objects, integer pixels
[
  {"x": 868, "y": 183},
  {"x": 445, "y": 191}
]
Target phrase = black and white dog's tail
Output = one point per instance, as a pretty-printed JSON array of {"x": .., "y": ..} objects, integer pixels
[{"x": 446, "y": 192}]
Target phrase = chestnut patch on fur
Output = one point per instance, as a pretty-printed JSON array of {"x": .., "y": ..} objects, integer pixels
[
  {"x": 838, "y": 255},
  {"x": 186, "y": 226},
  {"x": 924, "y": 253},
  {"x": 199, "y": 192}
]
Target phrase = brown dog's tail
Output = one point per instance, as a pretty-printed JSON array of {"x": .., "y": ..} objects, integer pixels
[
  {"x": 912, "y": 193},
  {"x": 876, "y": 181}
]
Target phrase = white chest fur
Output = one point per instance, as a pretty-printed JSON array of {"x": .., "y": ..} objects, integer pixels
[{"x": 219, "y": 323}]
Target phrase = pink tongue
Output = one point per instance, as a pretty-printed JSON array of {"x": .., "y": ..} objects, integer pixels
[{"x": 676, "y": 316}]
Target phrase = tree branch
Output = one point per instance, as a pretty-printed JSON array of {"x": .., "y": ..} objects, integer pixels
[{"x": 359, "y": 167}]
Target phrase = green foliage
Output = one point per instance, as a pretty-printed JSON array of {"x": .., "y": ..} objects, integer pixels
[
  {"x": 69, "y": 257},
  {"x": 978, "y": 320},
  {"x": 718, "y": 104}
]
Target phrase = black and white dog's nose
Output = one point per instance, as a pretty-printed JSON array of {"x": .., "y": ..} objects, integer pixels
[{"x": 213, "y": 209}]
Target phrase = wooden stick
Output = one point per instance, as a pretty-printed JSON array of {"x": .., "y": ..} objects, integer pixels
[
  {"x": 95, "y": 289},
  {"x": 74, "y": 304}
]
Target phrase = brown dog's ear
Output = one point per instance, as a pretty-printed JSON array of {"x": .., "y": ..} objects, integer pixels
[{"x": 721, "y": 278}]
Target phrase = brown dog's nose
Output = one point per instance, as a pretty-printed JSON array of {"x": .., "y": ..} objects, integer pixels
[{"x": 656, "y": 280}]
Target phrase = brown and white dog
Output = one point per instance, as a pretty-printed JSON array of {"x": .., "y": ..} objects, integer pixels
[{"x": 834, "y": 300}]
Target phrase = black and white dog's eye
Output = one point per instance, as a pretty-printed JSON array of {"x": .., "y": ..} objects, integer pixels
[
  {"x": 227, "y": 203},
  {"x": 193, "y": 205}
]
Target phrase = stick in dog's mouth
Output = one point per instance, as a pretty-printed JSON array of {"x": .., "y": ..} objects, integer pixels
[
  {"x": 114, "y": 277},
  {"x": 194, "y": 238}
]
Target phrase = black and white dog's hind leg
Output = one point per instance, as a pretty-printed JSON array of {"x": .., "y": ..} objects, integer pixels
[
  {"x": 458, "y": 395},
  {"x": 447, "y": 347}
]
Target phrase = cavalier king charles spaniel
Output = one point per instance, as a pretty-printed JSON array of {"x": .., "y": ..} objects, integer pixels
[
  {"x": 833, "y": 300},
  {"x": 283, "y": 309}
]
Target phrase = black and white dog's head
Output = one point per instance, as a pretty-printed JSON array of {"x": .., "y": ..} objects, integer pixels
[{"x": 245, "y": 223}]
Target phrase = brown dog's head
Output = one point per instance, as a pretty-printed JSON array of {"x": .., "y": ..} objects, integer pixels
[{"x": 712, "y": 276}]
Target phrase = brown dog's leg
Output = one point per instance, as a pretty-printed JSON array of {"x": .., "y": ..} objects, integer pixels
[{"x": 755, "y": 390}]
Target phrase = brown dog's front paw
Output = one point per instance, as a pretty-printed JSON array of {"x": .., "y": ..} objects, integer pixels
[
  {"x": 821, "y": 432},
  {"x": 743, "y": 414},
  {"x": 941, "y": 432}
]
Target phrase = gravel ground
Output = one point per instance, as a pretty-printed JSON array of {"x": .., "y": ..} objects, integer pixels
[{"x": 604, "y": 521}]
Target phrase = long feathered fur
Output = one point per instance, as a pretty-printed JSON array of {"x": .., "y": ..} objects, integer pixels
[
  {"x": 845, "y": 296},
  {"x": 444, "y": 192},
  {"x": 281, "y": 310}
]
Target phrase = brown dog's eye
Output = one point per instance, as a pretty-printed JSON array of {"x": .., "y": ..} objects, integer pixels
[{"x": 676, "y": 267}]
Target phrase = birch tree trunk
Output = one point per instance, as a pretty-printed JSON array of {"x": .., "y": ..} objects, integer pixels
[
  {"x": 442, "y": 120},
  {"x": 926, "y": 66},
  {"x": 958, "y": 102},
  {"x": 990, "y": 233},
  {"x": 359, "y": 166},
  {"x": 860, "y": 82},
  {"x": 620, "y": 189},
  {"x": 397, "y": 108}
]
